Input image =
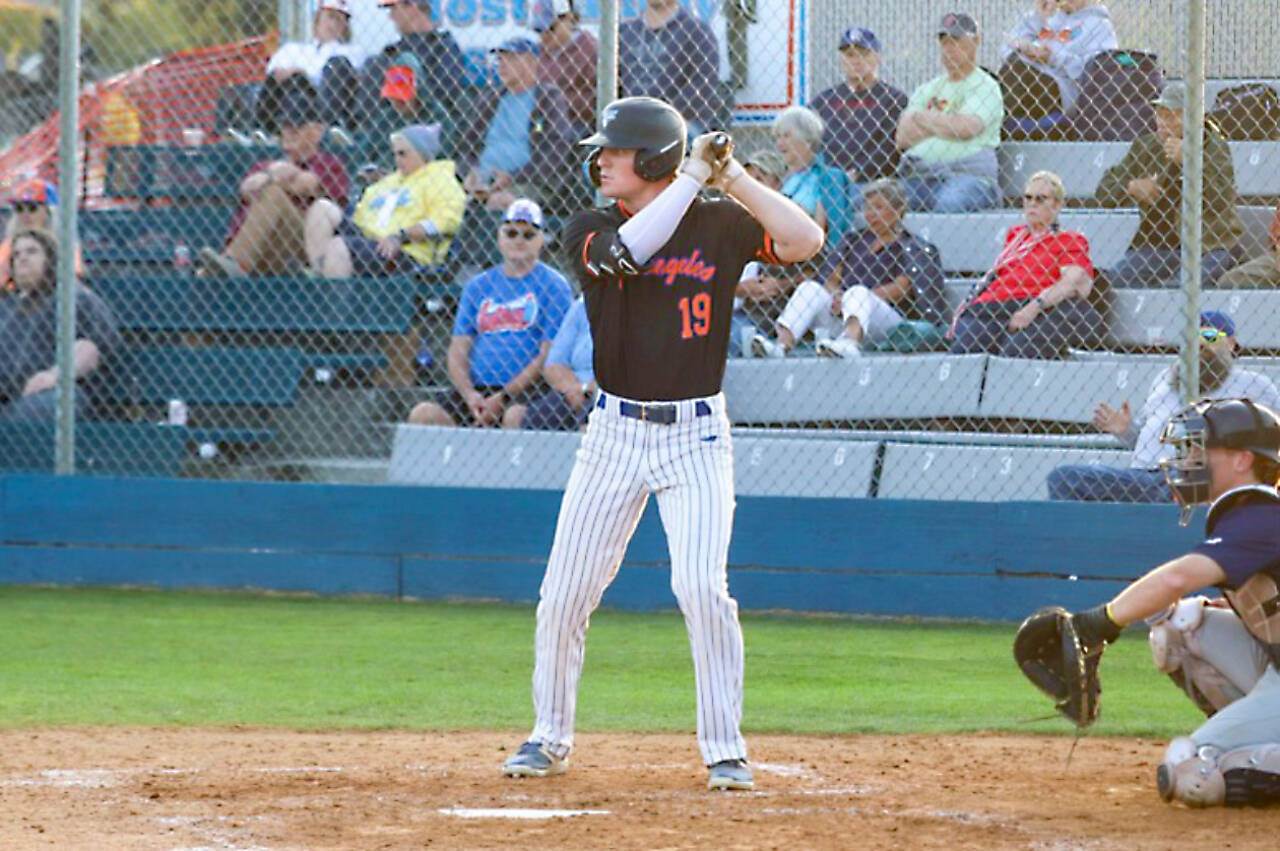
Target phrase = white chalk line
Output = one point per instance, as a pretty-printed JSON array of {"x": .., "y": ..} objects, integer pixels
[{"x": 521, "y": 813}]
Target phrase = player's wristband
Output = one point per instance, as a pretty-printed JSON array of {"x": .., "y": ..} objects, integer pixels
[{"x": 731, "y": 172}]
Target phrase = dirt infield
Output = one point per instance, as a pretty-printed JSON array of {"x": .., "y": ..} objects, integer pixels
[{"x": 267, "y": 789}]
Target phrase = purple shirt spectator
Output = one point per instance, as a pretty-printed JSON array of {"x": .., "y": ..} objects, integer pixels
[
  {"x": 567, "y": 59},
  {"x": 676, "y": 60}
]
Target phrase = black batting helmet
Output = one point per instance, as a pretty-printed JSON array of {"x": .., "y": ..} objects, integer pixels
[
  {"x": 1215, "y": 424},
  {"x": 652, "y": 127}
]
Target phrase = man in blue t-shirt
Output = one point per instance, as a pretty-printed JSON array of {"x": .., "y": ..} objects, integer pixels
[
  {"x": 571, "y": 375},
  {"x": 506, "y": 320},
  {"x": 861, "y": 114}
]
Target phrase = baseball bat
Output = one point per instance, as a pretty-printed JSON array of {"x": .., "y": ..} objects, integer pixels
[{"x": 720, "y": 145}]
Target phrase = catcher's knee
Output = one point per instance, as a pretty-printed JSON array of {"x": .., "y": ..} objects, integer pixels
[
  {"x": 1191, "y": 774},
  {"x": 1175, "y": 649},
  {"x": 1204, "y": 776}
]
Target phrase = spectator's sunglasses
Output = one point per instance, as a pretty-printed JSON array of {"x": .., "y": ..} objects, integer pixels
[
  {"x": 520, "y": 233},
  {"x": 26, "y": 206},
  {"x": 1029, "y": 198},
  {"x": 1213, "y": 335}
]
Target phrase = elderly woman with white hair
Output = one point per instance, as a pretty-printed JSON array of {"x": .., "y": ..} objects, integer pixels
[
  {"x": 822, "y": 190},
  {"x": 403, "y": 223},
  {"x": 1034, "y": 301}
]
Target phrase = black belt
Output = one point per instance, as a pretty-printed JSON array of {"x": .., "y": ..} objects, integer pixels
[{"x": 663, "y": 413}]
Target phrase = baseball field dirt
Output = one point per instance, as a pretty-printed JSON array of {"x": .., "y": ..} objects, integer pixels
[{"x": 239, "y": 788}]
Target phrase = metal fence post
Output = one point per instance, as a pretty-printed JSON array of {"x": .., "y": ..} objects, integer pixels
[
  {"x": 1192, "y": 196},
  {"x": 68, "y": 104}
]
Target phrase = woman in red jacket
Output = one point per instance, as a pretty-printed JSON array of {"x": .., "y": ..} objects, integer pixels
[{"x": 1033, "y": 303}]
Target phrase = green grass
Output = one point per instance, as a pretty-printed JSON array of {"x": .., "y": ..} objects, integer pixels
[{"x": 75, "y": 656}]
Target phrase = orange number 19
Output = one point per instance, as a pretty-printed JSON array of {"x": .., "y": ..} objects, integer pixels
[{"x": 696, "y": 316}]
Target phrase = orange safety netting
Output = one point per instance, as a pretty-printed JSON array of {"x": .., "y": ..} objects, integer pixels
[{"x": 153, "y": 103}]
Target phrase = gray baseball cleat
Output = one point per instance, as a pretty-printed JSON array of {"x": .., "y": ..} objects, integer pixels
[
  {"x": 731, "y": 774},
  {"x": 534, "y": 760}
]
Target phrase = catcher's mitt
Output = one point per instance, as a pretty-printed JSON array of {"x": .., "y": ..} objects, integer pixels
[{"x": 1049, "y": 651}]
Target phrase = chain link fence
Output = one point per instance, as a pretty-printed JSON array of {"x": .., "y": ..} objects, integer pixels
[{"x": 299, "y": 257}]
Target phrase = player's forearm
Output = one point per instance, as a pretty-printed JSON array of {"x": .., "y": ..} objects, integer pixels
[
  {"x": 1164, "y": 586},
  {"x": 795, "y": 236},
  {"x": 648, "y": 230}
]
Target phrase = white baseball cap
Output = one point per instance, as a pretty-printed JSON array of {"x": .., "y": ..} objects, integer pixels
[{"x": 523, "y": 210}]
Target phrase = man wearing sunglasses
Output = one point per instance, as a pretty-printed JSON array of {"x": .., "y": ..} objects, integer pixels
[
  {"x": 507, "y": 318},
  {"x": 1142, "y": 480}
]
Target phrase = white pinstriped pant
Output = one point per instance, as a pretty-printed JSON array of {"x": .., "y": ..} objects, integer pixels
[{"x": 688, "y": 466}]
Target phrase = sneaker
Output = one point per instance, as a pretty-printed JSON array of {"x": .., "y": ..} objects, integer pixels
[
  {"x": 218, "y": 264},
  {"x": 763, "y": 347},
  {"x": 340, "y": 137},
  {"x": 534, "y": 760},
  {"x": 840, "y": 347},
  {"x": 731, "y": 774}
]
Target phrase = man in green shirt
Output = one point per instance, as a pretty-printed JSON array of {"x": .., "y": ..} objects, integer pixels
[{"x": 951, "y": 128}]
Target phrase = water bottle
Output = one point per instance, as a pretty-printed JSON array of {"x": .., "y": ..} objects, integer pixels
[{"x": 181, "y": 256}]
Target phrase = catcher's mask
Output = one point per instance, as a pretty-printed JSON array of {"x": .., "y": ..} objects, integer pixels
[
  {"x": 653, "y": 128},
  {"x": 1213, "y": 424}
]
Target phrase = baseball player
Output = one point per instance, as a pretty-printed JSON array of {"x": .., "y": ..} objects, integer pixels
[
  {"x": 1223, "y": 653},
  {"x": 658, "y": 269}
]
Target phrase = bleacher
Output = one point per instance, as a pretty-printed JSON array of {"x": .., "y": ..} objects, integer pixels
[{"x": 242, "y": 348}]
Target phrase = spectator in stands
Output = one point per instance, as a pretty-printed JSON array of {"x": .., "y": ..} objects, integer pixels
[
  {"x": 567, "y": 60},
  {"x": 403, "y": 224},
  {"x": 326, "y": 68},
  {"x": 1034, "y": 302},
  {"x": 267, "y": 233},
  {"x": 762, "y": 286},
  {"x": 874, "y": 280},
  {"x": 34, "y": 205},
  {"x": 1142, "y": 480},
  {"x": 669, "y": 54},
  {"x": 420, "y": 78},
  {"x": 1045, "y": 54},
  {"x": 951, "y": 128},
  {"x": 28, "y": 335},
  {"x": 517, "y": 141},
  {"x": 1150, "y": 175},
  {"x": 570, "y": 373},
  {"x": 1262, "y": 271},
  {"x": 822, "y": 190},
  {"x": 507, "y": 317},
  {"x": 861, "y": 114}
]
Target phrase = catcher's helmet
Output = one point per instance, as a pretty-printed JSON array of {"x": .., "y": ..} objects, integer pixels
[
  {"x": 652, "y": 127},
  {"x": 1215, "y": 424}
]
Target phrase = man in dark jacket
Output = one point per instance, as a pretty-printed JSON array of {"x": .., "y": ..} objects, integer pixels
[
  {"x": 1150, "y": 175},
  {"x": 421, "y": 78},
  {"x": 517, "y": 140}
]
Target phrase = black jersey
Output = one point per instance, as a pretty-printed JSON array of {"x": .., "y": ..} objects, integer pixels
[{"x": 664, "y": 334}]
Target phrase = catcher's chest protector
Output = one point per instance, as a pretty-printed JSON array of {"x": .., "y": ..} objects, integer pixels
[{"x": 1257, "y": 601}]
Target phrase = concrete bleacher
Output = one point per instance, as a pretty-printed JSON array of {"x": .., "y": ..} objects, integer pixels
[
  {"x": 1063, "y": 391},
  {"x": 978, "y": 473},
  {"x": 536, "y": 460},
  {"x": 1081, "y": 166},
  {"x": 1156, "y": 317},
  {"x": 881, "y": 387},
  {"x": 969, "y": 243}
]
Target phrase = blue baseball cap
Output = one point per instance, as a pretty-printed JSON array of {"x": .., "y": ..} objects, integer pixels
[
  {"x": 1218, "y": 319},
  {"x": 859, "y": 37},
  {"x": 519, "y": 44}
]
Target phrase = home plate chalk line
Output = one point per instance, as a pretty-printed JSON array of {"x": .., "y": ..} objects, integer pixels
[{"x": 517, "y": 813}]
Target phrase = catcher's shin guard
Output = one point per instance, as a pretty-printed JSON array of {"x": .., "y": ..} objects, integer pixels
[{"x": 1191, "y": 774}]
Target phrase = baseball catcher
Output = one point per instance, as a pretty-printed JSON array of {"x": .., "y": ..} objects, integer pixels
[{"x": 1222, "y": 653}]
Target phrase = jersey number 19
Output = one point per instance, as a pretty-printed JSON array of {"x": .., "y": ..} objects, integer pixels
[{"x": 695, "y": 314}]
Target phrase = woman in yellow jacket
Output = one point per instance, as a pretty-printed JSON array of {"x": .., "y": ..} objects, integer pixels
[{"x": 403, "y": 223}]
